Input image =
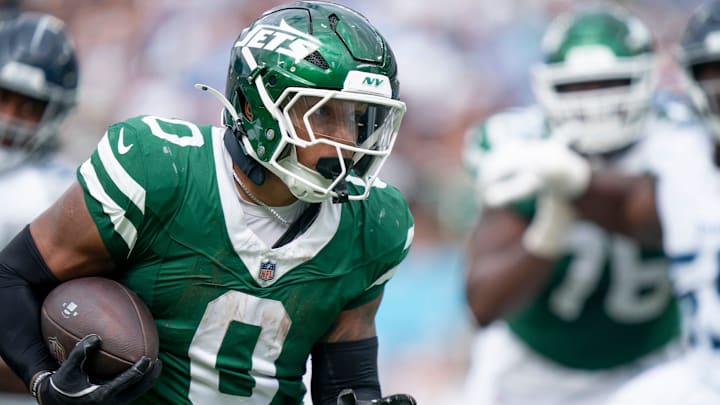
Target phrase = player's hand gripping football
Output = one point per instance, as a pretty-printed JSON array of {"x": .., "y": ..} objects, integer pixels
[
  {"x": 347, "y": 397},
  {"x": 70, "y": 385},
  {"x": 519, "y": 170}
]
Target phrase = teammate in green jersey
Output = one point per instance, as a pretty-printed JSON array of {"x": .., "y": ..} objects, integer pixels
[
  {"x": 256, "y": 244},
  {"x": 564, "y": 269}
]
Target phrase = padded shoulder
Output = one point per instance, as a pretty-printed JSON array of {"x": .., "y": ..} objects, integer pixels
[
  {"x": 145, "y": 165},
  {"x": 506, "y": 126},
  {"x": 386, "y": 221}
]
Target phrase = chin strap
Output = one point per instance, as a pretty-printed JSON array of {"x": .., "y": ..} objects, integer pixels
[
  {"x": 252, "y": 169},
  {"x": 330, "y": 168},
  {"x": 342, "y": 192}
]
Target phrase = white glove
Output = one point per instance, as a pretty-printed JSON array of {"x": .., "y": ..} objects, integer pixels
[
  {"x": 547, "y": 233},
  {"x": 517, "y": 170}
]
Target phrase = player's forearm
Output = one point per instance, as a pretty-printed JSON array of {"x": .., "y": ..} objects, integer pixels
[
  {"x": 501, "y": 282},
  {"x": 344, "y": 365},
  {"x": 346, "y": 357},
  {"x": 24, "y": 279},
  {"x": 9, "y": 381},
  {"x": 622, "y": 204},
  {"x": 354, "y": 324}
]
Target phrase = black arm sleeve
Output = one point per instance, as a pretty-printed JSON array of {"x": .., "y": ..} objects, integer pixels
[
  {"x": 337, "y": 366},
  {"x": 24, "y": 281}
]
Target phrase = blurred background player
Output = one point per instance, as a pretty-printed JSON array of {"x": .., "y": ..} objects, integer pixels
[
  {"x": 565, "y": 271},
  {"x": 689, "y": 206},
  {"x": 9, "y": 9},
  {"x": 38, "y": 87}
]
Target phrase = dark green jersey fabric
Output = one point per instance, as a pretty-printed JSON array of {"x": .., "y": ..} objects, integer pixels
[{"x": 236, "y": 319}]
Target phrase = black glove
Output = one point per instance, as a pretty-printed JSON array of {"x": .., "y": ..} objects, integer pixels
[
  {"x": 69, "y": 385},
  {"x": 347, "y": 397}
]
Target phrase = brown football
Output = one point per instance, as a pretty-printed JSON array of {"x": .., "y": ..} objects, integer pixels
[{"x": 88, "y": 305}]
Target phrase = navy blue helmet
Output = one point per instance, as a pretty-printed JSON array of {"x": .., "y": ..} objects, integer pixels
[
  {"x": 697, "y": 41},
  {"x": 38, "y": 66},
  {"x": 699, "y": 57},
  {"x": 9, "y": 8}
]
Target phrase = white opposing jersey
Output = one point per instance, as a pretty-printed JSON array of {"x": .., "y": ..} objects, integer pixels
[
  {"x": 27, "y": 190},
  {"x": 689, "y": 206}
]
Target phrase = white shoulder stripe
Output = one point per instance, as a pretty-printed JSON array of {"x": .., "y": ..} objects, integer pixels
[
  {"x": 132, "y": 190},
  {"x": 390, "y": 273},
  {"x": 122, "y": 225},
  {"x": 410, "y": 237},
  {"x": 385, "y": 277}
]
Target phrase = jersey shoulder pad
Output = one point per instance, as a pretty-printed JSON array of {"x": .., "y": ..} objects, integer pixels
[
  {"x": 142, "y": 162},
  {"x": 674, "y": 125},
  {"x": 389, "y": 231},
  {"x": 155, "y": 152},
  {"x": 674, "y": 108},
  {"x": 514, "y": 124},
  {"x": 158, "y": 135},
  {"x": 679, "y": 151},
  {"x": 387, "y": 222}
]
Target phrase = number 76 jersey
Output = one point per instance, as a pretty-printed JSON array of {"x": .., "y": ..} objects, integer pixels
[
  {"x": 608, "y": 301},
  {"x": 236, "y": 319}
]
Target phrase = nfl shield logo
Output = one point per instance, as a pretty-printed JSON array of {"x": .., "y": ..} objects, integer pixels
[{"x": 267, "y": 270}]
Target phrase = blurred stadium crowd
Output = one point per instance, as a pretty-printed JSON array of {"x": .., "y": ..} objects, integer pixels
[{"x": 459, "y": 60}]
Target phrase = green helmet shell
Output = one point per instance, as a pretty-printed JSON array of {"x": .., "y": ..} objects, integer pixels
[
  {"x": 610, "y": 27},
  {"x": 312, "y": 44},
  {"x": 596, "y": 78}
]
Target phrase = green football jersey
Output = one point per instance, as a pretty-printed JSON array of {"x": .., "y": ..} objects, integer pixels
[
  {"x": 236, "y": 319},
  {"x": 608, "y": 301}
]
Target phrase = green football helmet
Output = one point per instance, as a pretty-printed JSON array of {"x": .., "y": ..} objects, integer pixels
[
  {"x": 310, "y": 73},
  {"x": 596, "y": 79}
]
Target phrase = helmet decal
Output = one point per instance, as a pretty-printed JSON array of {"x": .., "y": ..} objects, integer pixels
[
  {"x": 282, "y": 39},
  {"x": 368, "y": 83}
]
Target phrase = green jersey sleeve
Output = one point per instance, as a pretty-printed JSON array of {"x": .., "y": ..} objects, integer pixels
[
  {"x": 135, "y": 176},
  {"x": 388, "y": 231}
]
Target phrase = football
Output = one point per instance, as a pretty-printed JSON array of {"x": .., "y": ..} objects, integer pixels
[{"x": 101, "y": 306}]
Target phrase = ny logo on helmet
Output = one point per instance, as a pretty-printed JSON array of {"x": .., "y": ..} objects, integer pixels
[
  {"x": 372, "y": 81},
  {"x": 284, "y": 40}
]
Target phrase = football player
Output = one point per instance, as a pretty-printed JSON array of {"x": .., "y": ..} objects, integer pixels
[
  {"x": 38, "y": 87},
  {"x": 254, "y": 244},
  {"x": 565, "y": 271},
  {"x": 688, "y": 203},
  {"x": 9, "y": 9}
]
